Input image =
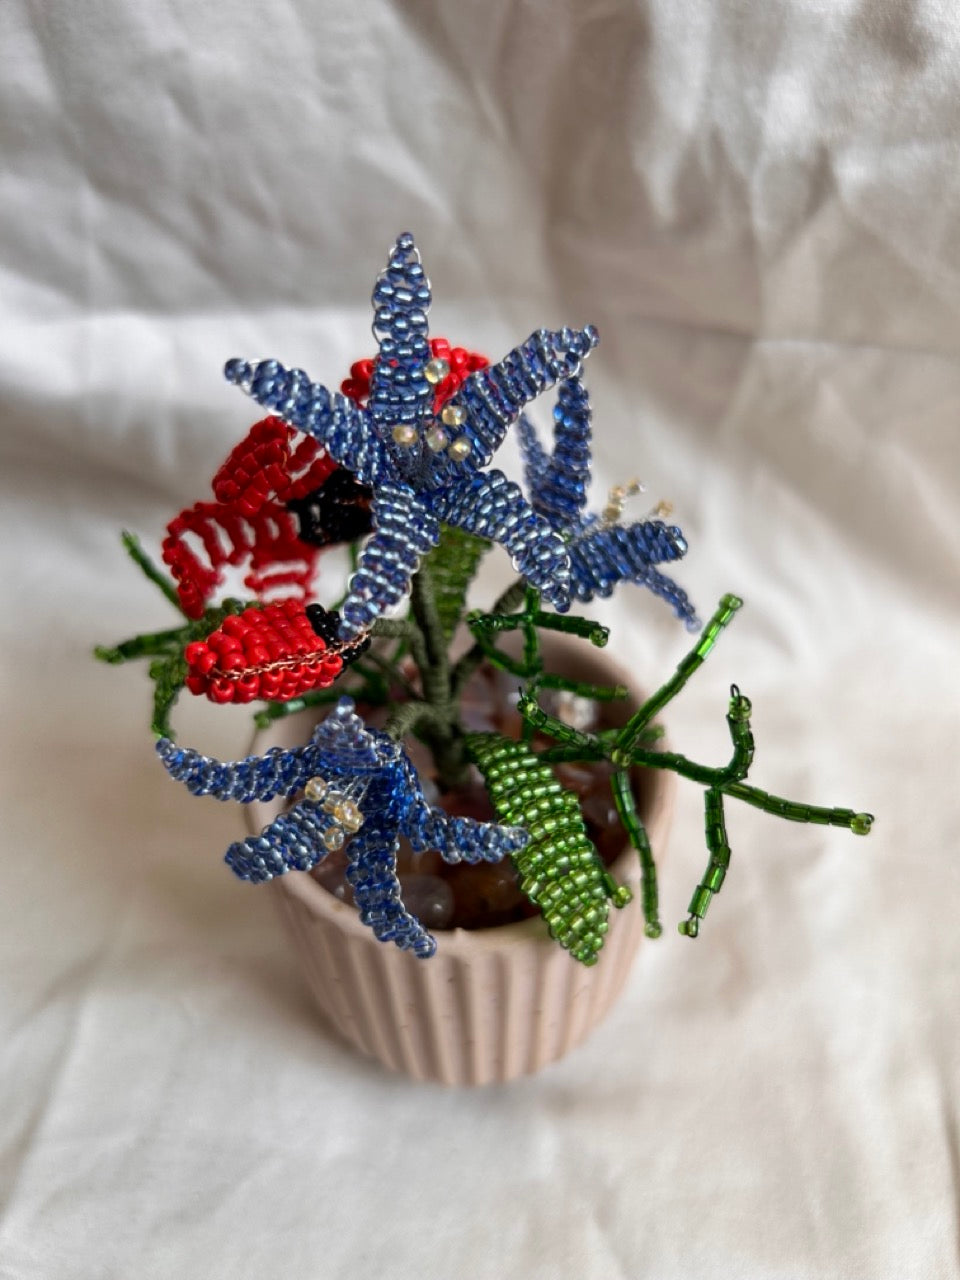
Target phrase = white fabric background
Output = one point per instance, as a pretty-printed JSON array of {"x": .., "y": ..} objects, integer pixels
[{"x": 758, "y": 205}]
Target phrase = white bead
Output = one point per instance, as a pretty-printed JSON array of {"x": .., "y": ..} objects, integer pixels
[
  {"x": 436, "y": 370},
  {"x": 315, "y": 789},
  {"x": 459, "y": 449},
  {"x": 454, "y": 415},
  {"x": 404, "y": 434},
  {"x": 334, "y": 838},
  {"x": 349, "y": 816},
  {"x": 437, "y": 439}
]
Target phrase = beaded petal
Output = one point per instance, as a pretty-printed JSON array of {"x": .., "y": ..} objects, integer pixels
[{"x": 409, "y": 479}]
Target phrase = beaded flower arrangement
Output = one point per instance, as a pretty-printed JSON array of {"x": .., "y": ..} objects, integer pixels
[{"x": 396, "y": 466}]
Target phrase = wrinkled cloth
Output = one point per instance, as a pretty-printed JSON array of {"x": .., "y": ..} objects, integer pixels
[{"x": 757, "y": 205}]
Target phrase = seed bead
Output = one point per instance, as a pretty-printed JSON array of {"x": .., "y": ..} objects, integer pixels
[
  {"x": 405, "y": 435},
  {"x": 460, "y": 449},
  {"x": 315, "y": 789},
  {"x": 453, "y": 415}
]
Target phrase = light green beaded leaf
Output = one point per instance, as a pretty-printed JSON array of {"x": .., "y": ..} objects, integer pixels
[
  {"x": 560, "y": 870},
  {"x": 451, "y": 566}
]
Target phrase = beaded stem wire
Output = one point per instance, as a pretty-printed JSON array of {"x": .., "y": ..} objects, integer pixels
[
  {"x": 715, "y": 830},
  {"x": 140, "y": 558},
  {"x": 630, "y": 820},
  {"x": 695, "y": 659}
]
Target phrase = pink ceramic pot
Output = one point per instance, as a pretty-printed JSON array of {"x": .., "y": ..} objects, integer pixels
[{"x": 492, "y": 1004}]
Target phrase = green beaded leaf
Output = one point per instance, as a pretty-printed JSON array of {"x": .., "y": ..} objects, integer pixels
[
  {"x": 560, "y": 870},
  {"x": 451, "y": 566}
]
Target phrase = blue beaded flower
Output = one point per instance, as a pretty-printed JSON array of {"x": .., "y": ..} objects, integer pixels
[
  {"x": 425, "y": 470},
  {"x": 602, "y": 552},
  {"x": 358, "y": 783}
]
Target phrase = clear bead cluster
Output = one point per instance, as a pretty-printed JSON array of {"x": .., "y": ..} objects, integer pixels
[
  {"x": 437, "y": 438},
  {"x": 345, "y": 812},
  {"x": 617, "y": 500}
]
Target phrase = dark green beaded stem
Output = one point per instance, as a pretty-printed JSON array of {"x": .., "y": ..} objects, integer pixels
[
  {"x": 582, "y": 688},
  {"x": 738, "y": 722},
  {"x": 559, "y": 868},
  {"x": 504, "y": 617},
  {"x": 630, "y": 820},
  {"x": 167, "y": 670},
  {"x": 685, "y": 669},
  {"x": 140, "y": 558},
  {"x": 535, "y": 715},
  {"x": 715, "y": 831}
]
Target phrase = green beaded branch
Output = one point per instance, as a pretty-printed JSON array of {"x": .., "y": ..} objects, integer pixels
[
  {"x": 559, "y": 868},
  {"x": 529, "y": 620},
  {"x": 629, "y": 748}
]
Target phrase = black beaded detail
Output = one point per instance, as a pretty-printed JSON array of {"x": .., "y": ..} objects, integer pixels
[
  {"x": 339, "y": 510},
  {"x": 326, "y": 623}
]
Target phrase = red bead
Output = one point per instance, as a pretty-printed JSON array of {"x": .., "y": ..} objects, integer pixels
[
  {"x": 220, "y": 691},
  {"x": 270, "y": 684},
  {"x": 247, "y": 688}
]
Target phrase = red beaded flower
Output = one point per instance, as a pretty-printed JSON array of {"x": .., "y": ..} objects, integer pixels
[{"x": 252, "y": 520}]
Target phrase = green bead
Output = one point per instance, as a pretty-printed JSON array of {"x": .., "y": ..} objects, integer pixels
[
  {"x": 700, "y": 901},
  {"x": 714, "y": 879},
  {"x": 861, "y": 824}
]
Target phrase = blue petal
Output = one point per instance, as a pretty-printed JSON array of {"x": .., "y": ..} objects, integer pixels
[
  {"x": 675, "y": 596},
  {"x": 462, "y": 839},
  {"x": 292, "y": 842},
  {"x": 494, "y": 397},
  {"x": 344, "y": 430},
  {"x": 399, "y": 392},
  {"x": 561, "y": 494},
  {"x": 372, "y": 871},
  {"x": 491, "y": 506},
  {"x": 344, "y": 748},
  {"x": 535, "y": 457},
  {"x": 609, "y": 554},
  {"x": 405, "y": 530},
  {"x": 278, "y": 773}
]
